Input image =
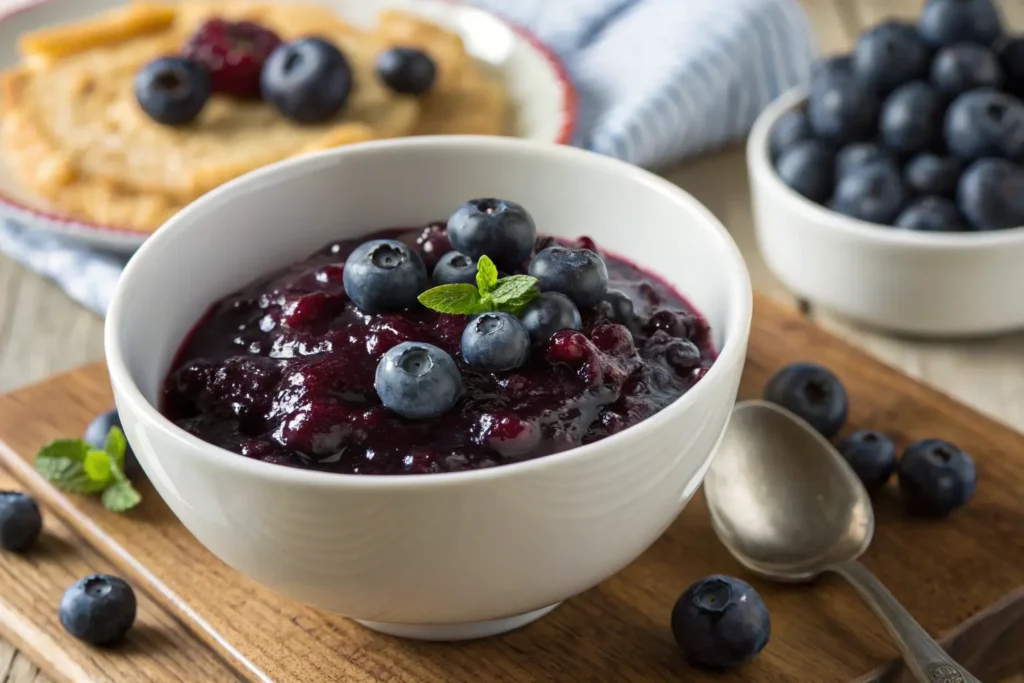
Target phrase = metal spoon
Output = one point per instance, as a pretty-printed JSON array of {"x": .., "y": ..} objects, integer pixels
[{"x": 788, "y": 507}]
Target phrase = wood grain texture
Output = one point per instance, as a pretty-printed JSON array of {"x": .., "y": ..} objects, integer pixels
[
  {"x": 942, "y": 571},
  {"x": 159, "y": 647}
]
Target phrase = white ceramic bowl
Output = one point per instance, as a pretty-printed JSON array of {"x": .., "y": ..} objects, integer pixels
[
  {"x": 543, "y": 98},
  {"x": 445, "y": 555},
  {"x": 963, "y": 284}
]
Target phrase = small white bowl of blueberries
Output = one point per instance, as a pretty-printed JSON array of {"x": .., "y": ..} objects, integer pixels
[{"x": 891, "y": 191}]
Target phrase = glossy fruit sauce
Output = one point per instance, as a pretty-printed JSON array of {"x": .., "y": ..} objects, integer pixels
[{"x": 283, "y": 371}]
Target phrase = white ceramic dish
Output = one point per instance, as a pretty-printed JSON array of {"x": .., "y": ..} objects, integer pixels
[
  {"x": 963, "y": 284},
  {"x": 443, "y": 556},
  {"x": 543, "y": 97}
]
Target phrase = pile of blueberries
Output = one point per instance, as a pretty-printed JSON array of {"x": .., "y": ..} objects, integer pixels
[
  {"x": 921, "y": 127},
  {"x": 98, "y": 609}
]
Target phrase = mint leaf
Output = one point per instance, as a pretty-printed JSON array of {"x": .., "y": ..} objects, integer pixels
[
  {"x": 512, "y": 287},
  {"x": 120, "y": 496},
  {"x": 67, "y": 474},
  {"x": 116, "y": 445},
  {"x": 97, "y": 466},
  {"x": 72, "y": 449},
  {"x": 486, "y": 275},
  {"x": 516, "y": 306},
  {"x": 458, "y": 299}
]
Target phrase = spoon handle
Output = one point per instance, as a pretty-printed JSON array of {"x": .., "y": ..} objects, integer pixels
[{"x": 924, "y": 657}]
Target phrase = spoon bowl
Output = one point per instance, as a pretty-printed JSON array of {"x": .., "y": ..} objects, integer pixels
[{"x": 781, "y": 497}]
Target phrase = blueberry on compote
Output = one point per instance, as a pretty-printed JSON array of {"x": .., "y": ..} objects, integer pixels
[
  {"x": 384, "y": 275},
  {"x": 417, "y": 380},
  {"x": 497, "y": 228},
  {"x": 495, "y": 342},
  {"x": 172, "y": 90},
  {"x": 407, "y": 70},
  {"x": 618, "y": 307},
  {"x": 549, "y": 313},
  {"x": 811, "y": 392},
  {"x": 454, "y": 268},
  {"x": 308, "y": 80},
  {"x": 580, "y": 274}
]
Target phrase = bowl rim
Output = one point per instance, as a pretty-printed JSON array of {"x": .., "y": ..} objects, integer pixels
[
  {"x": 732, "y": 353},
  {"x": 763, "y": 170},
  {"x": 567, "y": 130}
]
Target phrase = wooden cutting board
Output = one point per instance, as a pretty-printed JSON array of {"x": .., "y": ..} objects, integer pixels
[{"x": 203, "y": 621}]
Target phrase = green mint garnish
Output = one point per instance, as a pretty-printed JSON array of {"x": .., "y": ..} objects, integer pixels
[
  {"x": 74, "y": 465},
  {"x": 507, "y": 295}
]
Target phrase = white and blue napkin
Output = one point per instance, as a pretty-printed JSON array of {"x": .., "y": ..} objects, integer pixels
[{"x": 657, "y": 80}]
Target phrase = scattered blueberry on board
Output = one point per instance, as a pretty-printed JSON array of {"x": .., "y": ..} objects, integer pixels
[
  {"x": 936, "y": 477},
  {"x": 812, "y": 393},
  {"x": 20, "y": 521},
  {"x": 98, "y": 609},
  {"x": 872, "y": 455},
  {"x": 916, "y": 114},
  {"x": 720, "y": 622}
]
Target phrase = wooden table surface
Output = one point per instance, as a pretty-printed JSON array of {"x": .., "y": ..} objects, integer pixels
[{"x": 43, "y": 332}]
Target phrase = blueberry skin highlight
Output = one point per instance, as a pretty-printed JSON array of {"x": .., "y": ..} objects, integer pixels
[
  {"x": 98, "y": 609},
  {"x": 495, "y": 342},
  {"x": 936, "y": 477},
  {"x": 384, "y": 275},
  {"x": 417, "y": 380}
]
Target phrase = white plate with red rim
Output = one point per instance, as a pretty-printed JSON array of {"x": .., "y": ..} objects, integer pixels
[{"x": 542, "y": 96}]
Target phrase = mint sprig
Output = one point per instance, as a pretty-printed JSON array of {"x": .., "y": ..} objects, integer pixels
[
  {"x": 491, "y": 294},
  {"x": 73, "y": 465}
]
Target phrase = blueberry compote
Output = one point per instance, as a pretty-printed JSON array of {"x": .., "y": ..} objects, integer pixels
[{"x": 283, "y": 371}]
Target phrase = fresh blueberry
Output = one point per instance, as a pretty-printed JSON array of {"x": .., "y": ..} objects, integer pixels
[
  {"x": 407, "y": 70},
  {"x": 20, "y": 521},
  {"x": 549, "y": 313},
  {"x": 874, "y": 193},
  {"x": 936, "y": 477},
  {"x": 931, "y": 214},
  {"x": 618, "y": 307},
  {"x": 96, "y": 436},
  {"x": 931, "y": 174},
  {"x": 859, "y": 154},
  {"x": 947, "y": 22},
  {"x": 384, "y": 275},
  {"x": 580, "y": 274},
  {"x": 720, "y": 622},
  {"x": 500, "y": 229},
  {"x": 1011, "y": 57},
  {"x": 791, "y": 128},
  {"x": 842, "y": 110},
  {"x": 172, "y": 90},
  {"x": 307, "y": 80},
  {"x": 455, "y": 268},
  {"x": 98, "y": 609},
  {"x": 872, "y": 455},
  {"x": 889, "y": 55},
  {"x": 911, "y": 118},
  {"x": 963, "y": 67},
  {"x": 838, "y": 67},
  {"x": 811, "y": 392},
  {"x": 495, "y": 342},
  {"x": 808, "y": 167},
  {"x": 991, "y": 194},
  {"x": 985, "y": 123},
  {"x": 417, "y": 380}
]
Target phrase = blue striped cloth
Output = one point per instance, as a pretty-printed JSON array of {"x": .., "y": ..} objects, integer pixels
[{"x": 658, "y": 81}]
